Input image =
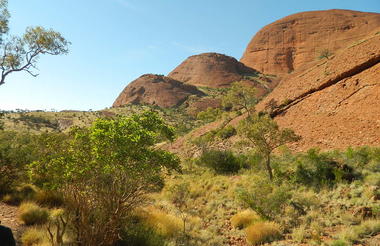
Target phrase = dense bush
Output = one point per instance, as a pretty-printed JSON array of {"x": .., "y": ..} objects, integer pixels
[
  {"x": 316, "y": 169},
  {"x": 226, "y": 132},
  {"x": 138, "y": 234},
  {"x": 266, "y": 199},
  {"x": 105, "y": 171},
  {"x": 209, "y": 115},
  {"x": 222, "y": 161},
  {"x": 16, "y": 150}
]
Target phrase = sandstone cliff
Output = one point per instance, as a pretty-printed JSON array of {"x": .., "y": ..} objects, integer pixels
[{"x": 292, "y": 42}]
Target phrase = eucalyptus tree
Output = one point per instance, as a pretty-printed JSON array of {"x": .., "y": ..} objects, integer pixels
[{"x": 21, "y": 53}]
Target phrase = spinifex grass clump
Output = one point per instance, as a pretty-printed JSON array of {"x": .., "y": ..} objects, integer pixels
[
  {"x": 34, "y": 236},
  {"x": 163, "y": 223},
  {"x": 263, "y": 232},
  {"x": 244, "y": 219},
  {"x": 32, "y": 214}
]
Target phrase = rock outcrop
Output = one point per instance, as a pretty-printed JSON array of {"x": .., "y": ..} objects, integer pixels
[
  {"x": 211, "y": 70},
  {"x": 156, "y": 90},
  {"x": 292, "y": 42},
  {"x": 334, "y": 104}
]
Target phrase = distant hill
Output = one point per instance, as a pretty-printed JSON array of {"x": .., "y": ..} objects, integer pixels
[
  {"x": 211, "y": 70},
  {"x": 156, "y": 90}
]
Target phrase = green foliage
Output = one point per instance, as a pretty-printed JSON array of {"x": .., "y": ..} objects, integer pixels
[
  {"x": 38, "y": 121},
  {"x": 339, "y": 243},
  {"x": 138, "y": 234},
  {"x": 105, "y": 170},
  {"x": 31, "y": 214},
  {"x": 226, "y": 132},
  {"x": 263, "y": 134},
  {"x": 209, "y": 115},
  {"x": 16, "y": 150},
  {"x": 266, "y": 199},
  {"x": 221, "y": 161},
  {"x": 365, "y": 229},
  {"x": 22, "y": 53},
  {"x": 240, "y": 96},
  {"x": 325, "y": 54},
  {"x": 319, "y": 169}
]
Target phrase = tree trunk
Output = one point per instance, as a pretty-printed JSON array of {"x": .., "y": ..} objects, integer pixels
[{"x": 269, "y": 168}]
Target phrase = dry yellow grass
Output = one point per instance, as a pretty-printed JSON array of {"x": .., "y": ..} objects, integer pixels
[
  {"x": 262, "y": 232},
  {"x": 244, "y": 219},
  {"x": 165, "y": 224},
  {"x": 32, "y": 214},
  {"x": 34, "y": 236}
]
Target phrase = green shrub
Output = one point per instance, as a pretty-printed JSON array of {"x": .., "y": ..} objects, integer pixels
[
  {"x": 32, "y": 214},
  {"x": 299, "y": 234},
  {"x": 339, "y": 243},
  {"x": 373, "y": 179},
  {"x": 365, "y": 229},
  {"x": 210, "y": 115},
  {"x": 266, "y": 199},
  {"x": 222, "y": 161},
  {"x": 137, "y": 234},
  {"x": 226, "y": 132},
  {"x": 263, "y": 232},
  {"x": 319, "y": 169}
]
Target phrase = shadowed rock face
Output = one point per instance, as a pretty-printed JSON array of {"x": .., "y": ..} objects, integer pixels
[
  {"x": 211, "y": 70},
  {"x": 156, "y": 90},
  {"x": 292, "y": 42}
]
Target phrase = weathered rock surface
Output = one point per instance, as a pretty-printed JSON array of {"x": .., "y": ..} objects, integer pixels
[
  {"x": 296, "y": 40},
  {"x": 334, "y": 104},
  {"x": 156, "y": 90},
  {"x": 211, "y": 70}
]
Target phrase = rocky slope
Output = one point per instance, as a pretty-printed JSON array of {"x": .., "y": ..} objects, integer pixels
[
  {"x": 211, "y": 70},
  {"x": 334, "y": 104},
  {"x": 296, "y": 40},
  {"x": 156, "y": 90}
]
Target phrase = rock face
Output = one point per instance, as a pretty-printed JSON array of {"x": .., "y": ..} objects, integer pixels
[
  {"x": 292, "y": 42},
  {"x": 334, "y": 104},
  {"x": 211, "y": 70},
  {"x": 156, "y": 90}
]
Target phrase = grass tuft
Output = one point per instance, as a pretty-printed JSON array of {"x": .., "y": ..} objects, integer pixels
[
  {"x": 33, "y": 236},
  {"x": 244, "y": 219},
  {"x": 263, "y": 232},
  {"x": 32, "y": 214}
]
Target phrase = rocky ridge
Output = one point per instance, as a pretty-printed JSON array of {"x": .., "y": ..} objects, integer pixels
[{"x": 290, "y": 43}]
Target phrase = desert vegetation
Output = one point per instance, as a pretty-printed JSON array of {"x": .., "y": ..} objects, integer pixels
[{"x": 108, "y": 184}]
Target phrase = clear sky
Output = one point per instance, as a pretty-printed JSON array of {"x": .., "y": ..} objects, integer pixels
[{"x": 116, "y": 41}]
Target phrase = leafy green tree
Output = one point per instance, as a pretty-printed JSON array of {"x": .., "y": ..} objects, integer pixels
[
  {"x": 240, "y": 96},
  {"x": 104, "y": 172},
  {"x": 263, "y": 134},
  {"x": 21, "y": 53}
]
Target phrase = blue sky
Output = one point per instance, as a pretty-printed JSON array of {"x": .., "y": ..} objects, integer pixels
[{"x": 116, "y": 41}]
